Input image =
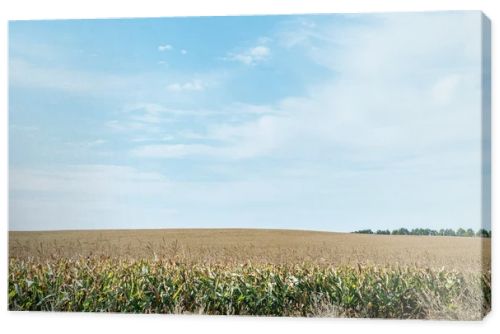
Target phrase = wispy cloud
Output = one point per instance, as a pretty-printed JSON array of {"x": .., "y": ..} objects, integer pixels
[
  {"x": 190, "y": 86},
  {"x": 78, "y": 177},
  {"x": 140, "y": 118},
  {"x": 393, "y": 109},
  {"x": 165, "y": 47},
  {"x": 251, "y": 56},
  {"x": 88, "y": 144},
  {"x": 168, "y": 151},
  {"x": 362, "y": 114},
  {"x": 85, "y": 196},
  {"x": 300, "y": 32},
  {"x": 152, "y": 139},
  {"x": 27, "y": 74},
  {"x": 445, "y": 90},
  {"x": 145, "y": 112}
]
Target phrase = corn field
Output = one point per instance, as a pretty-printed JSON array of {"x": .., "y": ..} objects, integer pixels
[{"x": 105, "y": 284}]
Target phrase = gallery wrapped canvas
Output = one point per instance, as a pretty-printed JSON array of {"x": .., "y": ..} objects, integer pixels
[{"x": 297, "y": 165}]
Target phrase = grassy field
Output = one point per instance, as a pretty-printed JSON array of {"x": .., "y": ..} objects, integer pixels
[{"x": 250, "y": 272}]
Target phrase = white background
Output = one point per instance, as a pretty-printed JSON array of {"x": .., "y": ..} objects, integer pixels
[{"x": 11, "y": 322}]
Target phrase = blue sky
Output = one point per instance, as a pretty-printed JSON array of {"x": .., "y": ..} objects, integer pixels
[{"x": 322, "y": 122}]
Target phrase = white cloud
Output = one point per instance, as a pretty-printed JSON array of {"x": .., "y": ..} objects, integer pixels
[
  {"x": 93, "y": 180},
  {"x": 300, "y": 32},
  {"x": 259, "y": 52},
  {"x": 96, "y": 142},
  {"x": 396, "y": 131},
  {"x": 385, "y": 100},
  {"x": 152, "y": 139},
  {"x": 183, "y": 51},
  {"x": 146, "y": 113},
  {"x": 88, "y": 144},
  {"x": 26, "y": 74},
  {"x": 445, "y": 89},
  {"x": 251, "y": 56},
  {"x": 172, "y": 150},
  {"x": 165, "y": 47},
  {"x": 130, "y": 125},
  {"x": 395, "y": 46},
  {"x": 86, "y": 196},
  {"x": 149, "y": 86},
  {"x": 142, "y": 119},
  {"x": 145, "y": 119},
  {"x": 379, "y": 98},
  {"x": 190, "y": 86}
]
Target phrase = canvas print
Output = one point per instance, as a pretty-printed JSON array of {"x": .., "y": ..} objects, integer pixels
[{"x": 333, "y": 165}]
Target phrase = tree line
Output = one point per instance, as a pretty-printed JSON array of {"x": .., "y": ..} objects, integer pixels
[{"x": 427, "y": 231}]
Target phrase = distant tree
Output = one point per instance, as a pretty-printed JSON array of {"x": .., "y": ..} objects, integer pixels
[
  {"x": 401, "y": 231},
  {"x": 364, "y": 231},
  {"x": 430, "y": 232},
  {"x": 483, "y": 233},
  {"x": 424, "y": 231},
  {"x": 427, "y": 231},
  {"x": 449, "y": 232},
  {"x": 469, "y": 232}
]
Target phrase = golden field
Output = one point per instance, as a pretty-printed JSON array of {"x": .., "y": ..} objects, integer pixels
[
  {"x": 250, "y": 272},
  {"x": 258, "y": 246}
]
